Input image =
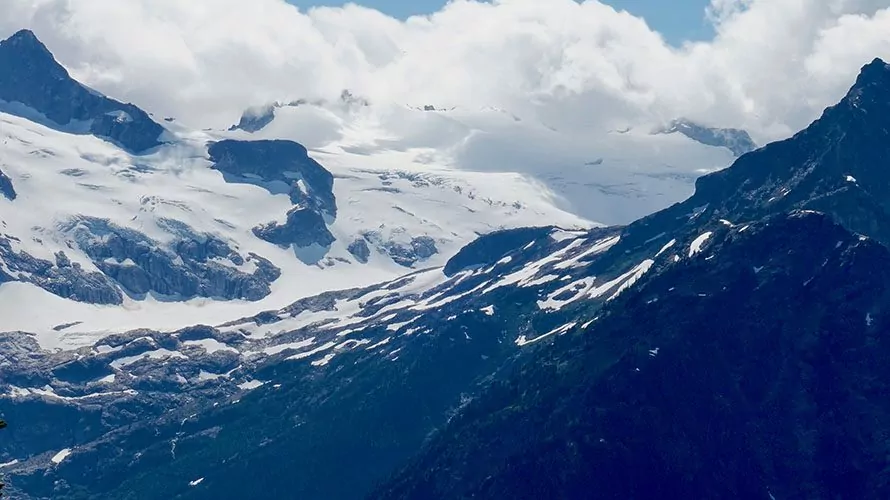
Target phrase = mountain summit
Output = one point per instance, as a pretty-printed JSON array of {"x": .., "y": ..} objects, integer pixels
[{"x": 31, "y": 77}]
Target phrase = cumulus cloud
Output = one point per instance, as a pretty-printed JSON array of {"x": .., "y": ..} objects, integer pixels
[
  {"x": 771, "y": 67},
  {"x": 579, "y": 68}
]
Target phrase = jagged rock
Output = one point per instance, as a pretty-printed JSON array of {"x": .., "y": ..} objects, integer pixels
[
  {"x": 190, "y": 267},
  {"x": 63, "y": 279},
  {"x": 272, "y": 162},
  {"x": 6, "y": 188},
  {"x": 256, "y": 119},
  {"x": 360, "y": 250},
  {"x": 403, "y": 253},
  {"x": 29, "y": 75},
  {"x": 736, "y": 140},
  {"x": 302, "y": 228}
]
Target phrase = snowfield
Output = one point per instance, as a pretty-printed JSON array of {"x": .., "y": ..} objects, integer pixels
[{"x": 392, "y": 183}]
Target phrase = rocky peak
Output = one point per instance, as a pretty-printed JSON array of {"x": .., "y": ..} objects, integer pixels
[
  {"x": 838, "y": 165},
  {"x": 736, "y": 140},
  {"x": 30, "y": 76}
]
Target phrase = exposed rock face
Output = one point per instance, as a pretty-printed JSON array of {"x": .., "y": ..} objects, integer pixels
[
  {"x": 274, "y": 163},
  {"x": 6, "y": 188},
  {"x": 29, "y": 75},
  {"x": 193, "y": 265},
  {"x": 283, "y": 166},
  {"x": 256, "y": 119},
  {"x": 62, "y": 278},
  {"x": 360, "y": 250},
  {"x": 736, "y": 140},
  {"x": 403, "y": 253},
  {"x": 420, "y": 248},
  {"x": 303, "y": 227}
]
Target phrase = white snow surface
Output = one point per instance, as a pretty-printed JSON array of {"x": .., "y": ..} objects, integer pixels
[
  {"x": 62, "y": 455},
  {"x": 696, "y": 245},
  {"x": 400, "y": 187},
  {"x": 59, "y": 176}
]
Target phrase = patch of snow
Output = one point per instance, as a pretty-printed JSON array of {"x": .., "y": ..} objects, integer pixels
[
  {"x": 275, "y": 349},
  {"x": 522, "y": 340},
  {"x": 250, "y": 385},
  {"x": 667, "y": 247},
  {"x": 302, "y": 355},
  {"x": 163, "y": 354},
  {"x": 380, "y": 344},
  {"x": 325, "y": 360},
  {"x": 210, "y": 345},
  {"x": 62, "y": 455},
  {"x": 698, "y": 242}
]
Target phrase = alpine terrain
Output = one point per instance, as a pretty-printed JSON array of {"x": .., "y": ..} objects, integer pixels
[{"x": 230, "y": 314}]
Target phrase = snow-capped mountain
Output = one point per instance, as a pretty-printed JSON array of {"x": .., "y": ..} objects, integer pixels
[
  {"x": 164, "y": 226},
  {"x": 611, "y": 177},
  {"x": 513, "y": 337}
]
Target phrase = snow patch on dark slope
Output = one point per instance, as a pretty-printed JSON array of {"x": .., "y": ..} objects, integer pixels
[{"x": 698, "y": 384}]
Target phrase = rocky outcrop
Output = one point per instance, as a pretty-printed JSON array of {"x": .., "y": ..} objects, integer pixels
[
  {"x": 6, "y": 188},
  {"x": 418, "y": 249},
  {"x": 283, "y": 166},
  {"x": 257, "y": 118},
  {"x": 192, "y": 265},
  {"x": 736, "y": 140},
  {"x": 402, "y": 252},
  {"x": 273, "y": 164},
  {"x": 62, "y": 278},
  {"x": 360, "y": 250},
  {"x": 30, "y": 76},
  {"x": 302, "y": 228}
]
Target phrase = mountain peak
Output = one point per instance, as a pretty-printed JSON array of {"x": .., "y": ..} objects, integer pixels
[
  {"x": 25, "y": 36},
  {"x": 24, "y": 52},
  {"x": 31, "y": 77},
  {"x": 736, "y": 140},
  {"x": 872, "y": 86}
]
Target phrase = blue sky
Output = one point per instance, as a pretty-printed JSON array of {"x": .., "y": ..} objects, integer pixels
[{"x": 677, "y": 20}]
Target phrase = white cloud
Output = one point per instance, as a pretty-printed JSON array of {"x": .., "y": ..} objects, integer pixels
[
  {"x": 579, "y": 68},
  {"x": 773, "y": 65}
]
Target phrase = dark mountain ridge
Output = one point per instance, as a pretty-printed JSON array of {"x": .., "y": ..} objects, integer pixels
[
  {"x": 30, "y": 75},
  {"x": 751, "y": 370}
]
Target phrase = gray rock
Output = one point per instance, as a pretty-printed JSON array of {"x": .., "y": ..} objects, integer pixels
[
  {"x": 420, "y": 248},
  {"x": 6, "y": 188},
  {"x": 256, "y": 119},
  {"x": 276, "y": 163},
  {"x": 64, "y": 279},
  {"x": 360, "y": 250},
  {"x": 303, "y": 228},
  {"x": 29, "y": 75},
  {"x": 189, "y": 267},
  {"x": 736, "y": 140}
]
